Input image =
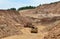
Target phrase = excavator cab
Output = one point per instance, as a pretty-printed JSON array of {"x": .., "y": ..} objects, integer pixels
[{"x": 34, "y": 30}]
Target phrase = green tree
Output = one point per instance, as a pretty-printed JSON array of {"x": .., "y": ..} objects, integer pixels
[
  {"x": 12, "y": 9},
  {"x": 27, "y": 7}
]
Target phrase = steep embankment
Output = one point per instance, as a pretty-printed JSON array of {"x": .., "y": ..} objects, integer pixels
[
  {"x": 54, "y": 32},
  {"x": 10, "y": 23},
  {"x": 49, "y": 8}
]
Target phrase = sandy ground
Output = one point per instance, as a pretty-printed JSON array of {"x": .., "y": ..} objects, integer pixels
[{"x": 27, "y": 35}]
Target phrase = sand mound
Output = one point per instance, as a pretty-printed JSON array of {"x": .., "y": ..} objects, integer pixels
[{"x": 54, "y": 33}]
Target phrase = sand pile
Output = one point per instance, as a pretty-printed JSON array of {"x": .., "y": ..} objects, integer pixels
[{"x": 54, "y": 32}]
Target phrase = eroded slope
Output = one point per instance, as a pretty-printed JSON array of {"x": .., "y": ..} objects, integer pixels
[{"x": 10, "y": 23}]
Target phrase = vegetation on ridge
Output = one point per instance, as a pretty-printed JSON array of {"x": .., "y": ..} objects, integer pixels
[{"x": 27, "y": 7}]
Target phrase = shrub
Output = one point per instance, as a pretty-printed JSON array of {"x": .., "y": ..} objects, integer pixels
[{"x": 12, "y": 9}]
